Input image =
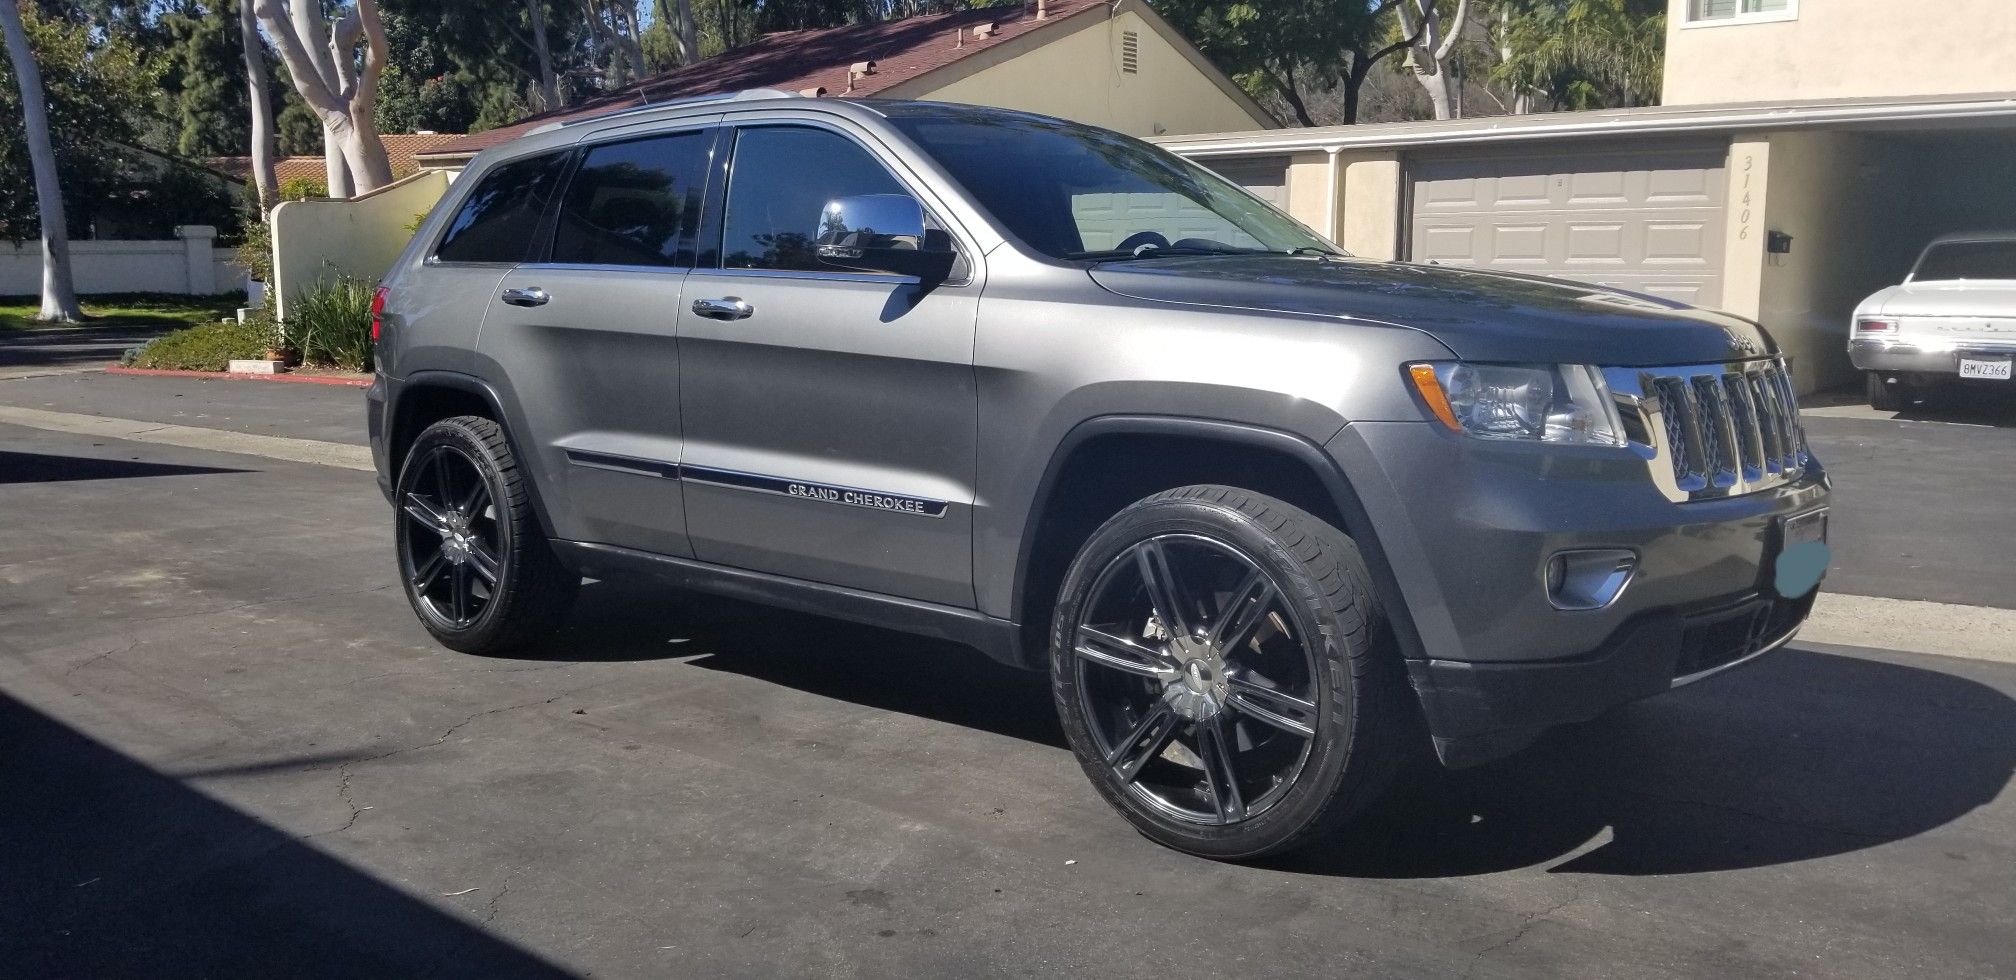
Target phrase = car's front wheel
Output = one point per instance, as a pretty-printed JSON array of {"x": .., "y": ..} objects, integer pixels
[
  {"x": 1224, "y": 673},
  {"x": 475, "y": 564}
]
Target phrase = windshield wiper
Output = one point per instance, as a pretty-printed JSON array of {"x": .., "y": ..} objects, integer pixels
[{"x": 1159, "y": 251}]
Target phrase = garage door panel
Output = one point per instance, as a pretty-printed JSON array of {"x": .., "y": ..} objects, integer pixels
[
  {"x": 1450, "y": 244},
  {"x": 1649, "y": 221},
  {"x": 1671, "y": 242},
  {"x": 1599, "y": 187},
  {"x": 1266, "y": 177}
]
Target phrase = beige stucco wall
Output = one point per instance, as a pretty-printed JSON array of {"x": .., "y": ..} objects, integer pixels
[
  {"x": 1361, "y": 210},
  {"x": 1078, "y": 77},
  {"x": 1843, "y": 49},
  {"x": 1370, "y": 216},
  {"x": 319, "y": 240},
  {"x": 1311, "y": 198},
  {"x": 1826, "y": 191}
]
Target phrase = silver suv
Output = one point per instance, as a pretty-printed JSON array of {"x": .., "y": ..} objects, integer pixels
[{"x": 1272, "y": 517}]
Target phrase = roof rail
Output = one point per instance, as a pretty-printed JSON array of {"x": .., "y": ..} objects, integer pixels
[{"x": 746, "y": 95}]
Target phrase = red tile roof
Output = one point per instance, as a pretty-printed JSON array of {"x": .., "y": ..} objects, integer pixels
[
  {"x": 402, "y": 148},
  {"x": 796, "y": 60}
]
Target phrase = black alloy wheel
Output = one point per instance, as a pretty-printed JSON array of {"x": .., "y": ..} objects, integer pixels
[
  {"x": 474, "y": 560},
  {"x": 1224, "y": 675},
  {"x": 453, "y": 555},
  {"x": 1200, "y": 695}
]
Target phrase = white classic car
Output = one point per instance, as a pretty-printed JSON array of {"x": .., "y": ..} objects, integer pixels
[{"x": 1953, "y": 318}]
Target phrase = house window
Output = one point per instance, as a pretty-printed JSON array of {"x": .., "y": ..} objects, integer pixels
[
  {"x": 1740, "y": 11},
  {"x": 1130, "y": 52}
]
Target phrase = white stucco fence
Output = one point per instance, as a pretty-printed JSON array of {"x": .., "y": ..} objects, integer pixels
[
  {"x": 320, "y": 239},
  {"x": 189, "y": 264}
]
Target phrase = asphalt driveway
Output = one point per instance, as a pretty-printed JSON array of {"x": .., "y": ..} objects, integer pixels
[{"x": 230, "y": 750}]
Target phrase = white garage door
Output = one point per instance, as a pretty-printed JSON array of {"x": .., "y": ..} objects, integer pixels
[
  {"x": 1266, "y": 177},
  {"x": 1649, "y": 220}
]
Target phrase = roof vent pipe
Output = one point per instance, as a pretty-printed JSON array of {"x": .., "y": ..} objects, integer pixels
[
  {"x": 860, "y": 69},
  {"x": 813, "y": 92}
]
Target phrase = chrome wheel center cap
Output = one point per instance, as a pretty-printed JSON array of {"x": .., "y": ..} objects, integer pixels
[{"x": 1198, "y": 690}]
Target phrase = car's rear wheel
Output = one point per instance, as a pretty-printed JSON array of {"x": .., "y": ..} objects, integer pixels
[
  {"x": 475, "y": 564},
  {"x": 1224, "y": 674},
  {"x": 1885, "y": 394}
]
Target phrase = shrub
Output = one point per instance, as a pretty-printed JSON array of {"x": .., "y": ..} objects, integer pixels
[
  {"x": 255, "y": 253},
  {"x": 205, "y": 347},
  {"x": 331, "y": 324}
]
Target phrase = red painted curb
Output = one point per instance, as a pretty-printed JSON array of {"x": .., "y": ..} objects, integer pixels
[{"x": 299, "y": 379}]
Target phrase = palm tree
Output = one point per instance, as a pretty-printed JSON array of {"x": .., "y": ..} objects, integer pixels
[{"x": 59, "y": 296}]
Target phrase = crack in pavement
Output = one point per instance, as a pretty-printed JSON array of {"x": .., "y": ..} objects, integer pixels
[
  {"x": 347, "y": 770},
  {"x": 1518, "y": 934},
  {"x": 74, "y": 668}
]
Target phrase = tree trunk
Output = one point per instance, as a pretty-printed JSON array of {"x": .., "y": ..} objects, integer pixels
[
  {"x": 1435, "y": 41},
  {"x": 59, "y": 296},
  {"x": 263, "y": 176},
  {"x": 549, "y": 87},
  {"x": 688, "y": 31},
  {"x": 344, "y": 98}
]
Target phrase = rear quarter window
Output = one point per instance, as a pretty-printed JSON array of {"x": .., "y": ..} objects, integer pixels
[{"x": 498, "y": 220}]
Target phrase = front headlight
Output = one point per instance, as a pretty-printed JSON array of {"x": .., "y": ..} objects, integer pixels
[{"x": 1557, "y": 403}]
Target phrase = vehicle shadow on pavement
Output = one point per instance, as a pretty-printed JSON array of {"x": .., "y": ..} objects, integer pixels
[
  {"x": 863, "y": 665},
  {"x": 111, "y": 868},
  {"x": 1800, "y": 756}
]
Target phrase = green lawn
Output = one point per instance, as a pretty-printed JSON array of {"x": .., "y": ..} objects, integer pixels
[{"x": 126, "y": 309}]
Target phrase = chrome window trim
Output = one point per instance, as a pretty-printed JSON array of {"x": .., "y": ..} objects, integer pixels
[
  {"x": 811, "y": 275},
  {"x": 1741, "y": 417}
]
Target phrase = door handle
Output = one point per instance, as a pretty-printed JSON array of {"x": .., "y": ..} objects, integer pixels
[
  {"x": 725, "y": 308},
  {"x": 526, "y": 296}
]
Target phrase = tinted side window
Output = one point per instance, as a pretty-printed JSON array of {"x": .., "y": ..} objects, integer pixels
[
  {"x": 499, "y": 218},
  {"x": 633, "y": 203},
  {"x": 781, "y": 179}
]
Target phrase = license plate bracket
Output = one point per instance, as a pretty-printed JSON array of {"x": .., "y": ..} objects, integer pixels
[{"x": 1798, "y": 555}]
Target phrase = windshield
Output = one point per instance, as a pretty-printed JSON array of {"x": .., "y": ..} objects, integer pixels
[
  {"x": 1967, "y": 260},
  {"x": 1075, "y": 192}
]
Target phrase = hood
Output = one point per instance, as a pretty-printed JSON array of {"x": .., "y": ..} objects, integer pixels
[
  {"x": 1946, "y": 298},
  {"x": 1481, "y": 316}
]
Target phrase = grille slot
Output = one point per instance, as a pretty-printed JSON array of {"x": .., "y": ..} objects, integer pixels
[{"x": 1721, "y": 430}]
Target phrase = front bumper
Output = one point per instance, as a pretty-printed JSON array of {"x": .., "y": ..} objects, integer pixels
[
  {"x": 1467, "y": 529},
  {"x": 1902, "y": 355},
  {"x": 1480, "y": 712}
]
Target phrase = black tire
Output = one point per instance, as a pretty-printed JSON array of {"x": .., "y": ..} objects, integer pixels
[
  {"x": 1359, "y": 703},
  {"x": 1884, "y": 396},
  {"x": 476, "y": 529}
]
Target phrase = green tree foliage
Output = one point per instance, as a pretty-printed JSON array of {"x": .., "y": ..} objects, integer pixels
[
  {"x": 203, "y": 80},
  {"x": 1582, "y": 54},
  {"x": 1290, "y": 48},
  {"x": 104, "y": 101}
]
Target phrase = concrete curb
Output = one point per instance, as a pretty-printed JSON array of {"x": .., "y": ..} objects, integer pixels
[
  {"x": 193, "y": 437},
  {"x": 1936, "y": 628},
  {"x": 299, "y": 379}
]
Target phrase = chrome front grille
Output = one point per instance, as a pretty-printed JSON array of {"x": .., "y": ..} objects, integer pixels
[{"x": 1714, "y": 430}]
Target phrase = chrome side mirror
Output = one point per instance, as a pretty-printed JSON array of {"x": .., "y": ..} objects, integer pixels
[{"x": 882, "y": 233}]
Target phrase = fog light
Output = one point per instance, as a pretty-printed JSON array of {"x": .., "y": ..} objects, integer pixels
[{"x": 1592, "y": 579}]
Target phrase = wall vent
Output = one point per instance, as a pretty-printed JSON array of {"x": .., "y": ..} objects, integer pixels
[{"x": 1130, "y": 52}]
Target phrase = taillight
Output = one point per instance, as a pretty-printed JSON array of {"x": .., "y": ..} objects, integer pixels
[
  {"x": 1873, "y": 325},
  {"x": 377, "y": 312}
]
